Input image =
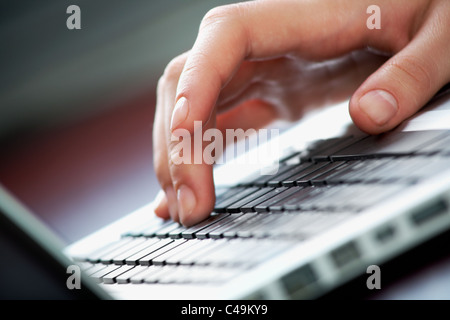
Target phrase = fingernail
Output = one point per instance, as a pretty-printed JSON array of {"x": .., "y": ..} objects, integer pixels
[
  {"x": 186, "y": 201},
  {"x": 379, "y": 105},
  {"x": 172, "y": 203},
  {"x": 180, "y": 113}
]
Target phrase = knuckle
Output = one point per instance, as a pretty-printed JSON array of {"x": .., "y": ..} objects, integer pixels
[
  {"x": 413, "y": 72},
  {"x": 176, "y": 157},
  {"x": 173, "y": 69},
  {"x": 219, "y": 15}
]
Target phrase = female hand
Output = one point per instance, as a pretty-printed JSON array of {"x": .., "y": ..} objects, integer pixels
[{"x": 277, "y": 59}]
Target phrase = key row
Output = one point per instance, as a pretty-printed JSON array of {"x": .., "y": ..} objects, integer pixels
[
  {"x": 248, "y": 225},
  {"x": 390, "y": 144},
  {"x": 406, "y": 170},
  {"x": 170, "y": 274},
  {"x": 243, "y": 253},
  {"x": 293, "y": 204},
  {"x": 338, "y": 198}
]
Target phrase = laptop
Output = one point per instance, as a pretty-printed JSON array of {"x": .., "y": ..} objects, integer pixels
[
  {"x": 339, "y": 204},
  {"x": 33, "y": 265}
]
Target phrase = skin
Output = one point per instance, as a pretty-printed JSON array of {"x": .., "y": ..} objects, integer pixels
[{"x": 278, "y": 59}]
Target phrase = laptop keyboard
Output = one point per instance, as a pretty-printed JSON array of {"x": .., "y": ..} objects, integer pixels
[{"x": 314, "y": 190}]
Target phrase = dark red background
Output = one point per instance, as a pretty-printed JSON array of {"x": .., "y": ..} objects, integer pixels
[{"x": 82, "y": 174}]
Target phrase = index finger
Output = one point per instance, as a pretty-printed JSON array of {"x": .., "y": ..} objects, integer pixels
[{"x": 261, "y": 29}]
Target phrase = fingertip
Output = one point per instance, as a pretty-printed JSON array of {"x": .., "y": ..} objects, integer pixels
[
  {"x": 192, "y": 207},
  {"x": 379, "y": 106},
  {"x": 374, "y": 111},
  {"x": 161, "y": 209},
  {"x": 189, "y": 220},
  {"x": 187, "y": 201}
]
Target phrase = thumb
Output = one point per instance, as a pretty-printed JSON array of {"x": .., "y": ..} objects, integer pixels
[{"x": 403, "y": 84}]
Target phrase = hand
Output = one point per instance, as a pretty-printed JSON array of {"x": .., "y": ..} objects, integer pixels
[{"x": 277, "y": 59}]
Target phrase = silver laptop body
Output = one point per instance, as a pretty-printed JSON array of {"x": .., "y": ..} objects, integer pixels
[{"x": 302, "y": 262}]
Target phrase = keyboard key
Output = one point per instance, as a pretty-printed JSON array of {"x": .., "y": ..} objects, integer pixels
[
  {"x": 322, "y": 150},
  {"x": 323, "y": 178},
  {"x": 267, "y": 249},
  {"x": 236, "y": 207},
  {"x": 95, "y": 269},
  {"x": 221, "y": 191},
  {"x": 211, "y": 275},
  {"x": 222, "y": 232},
  {"x": 179, "y": 256},
  {"x": 138, "y": 231},
  {"x": 151, "y": 231},
  {"x": 323, "y": 200},
  {"x": 264, "y": 179},
  {"x": 292, "y": 181},
  {"x": 357, "y": 171},
  {"x": 161, "y": 259},
  {"x": 435, "y": 165},
  {"x": 242, "y": 229},
  {"x": 207, "y": 245},
  {"x": 97, "y": 276},
  {"x": 176, "y": 233},
  {"x": 126, "y": 276},
  {"x": 260, "y": 221},
  {"x": 110, "y": 278},
  {"x": 222, "y": 205},
  {"x": 164, "y": 232},
  {"x": 228, "y": 193},
  {"x": 354, "y": 198},
  {"x": 204, "y": 233},
  {"x": 295, "y": 201},
  {"x": 294, "y": 170},
  {"x": 180, "y": 275},
  {"x": 120, "y": 258},
  {"x": 440, "y": 145},
  {"x": 290, "y": 157},
  {"x": 134, "y": 259},
  {"x": 307, "y": 180},
  {"x": 147, "y": 260},
  {"x": 190, "y": 233},
  {"x": 108, "y": 257},
  {"x": 230, "y": 253},
  {"x": 279, "y": 220},
  {"x": 150, "y": 271},
  {"x": 156, "y": 276},
  {"x": 410, "y": 170},
  {"x": 272, "y": 204},
  {"x": 255, "y": 178},
  {"x": 218, "y": 232},
  {"x": 291, "y": 224},
  {"x": 339, "y": 144},
  {"x": 388, "y": 172},
  {"x": 388, "y": 144},
  {"x": 97, "y": 254},
  {"x": 250, "y": 206},
  {"x": 318, "y": 226}
]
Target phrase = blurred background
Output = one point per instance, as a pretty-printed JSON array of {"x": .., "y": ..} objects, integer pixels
[{"x": 76, "y": 106}]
